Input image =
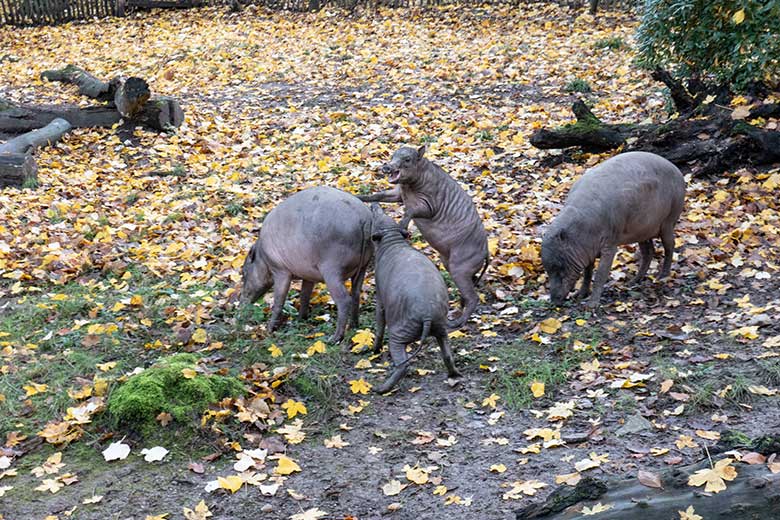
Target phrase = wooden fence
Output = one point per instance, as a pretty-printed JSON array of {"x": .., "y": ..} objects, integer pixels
[{"x": 48, "y": 12}]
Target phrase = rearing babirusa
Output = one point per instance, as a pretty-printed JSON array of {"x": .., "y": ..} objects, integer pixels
[{"x": 445, "y": 215}]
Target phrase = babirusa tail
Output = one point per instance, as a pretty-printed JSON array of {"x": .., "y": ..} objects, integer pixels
[{"x": 484, "y": 268}]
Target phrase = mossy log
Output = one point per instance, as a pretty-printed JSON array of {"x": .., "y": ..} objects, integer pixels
[
  {"x": 88, "y": 84},
  {"x": 708, "y": 145},
  {"x": 753, "y": 495}
]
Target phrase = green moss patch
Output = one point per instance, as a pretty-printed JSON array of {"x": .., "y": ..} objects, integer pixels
[{"x": 164, "y": 388}]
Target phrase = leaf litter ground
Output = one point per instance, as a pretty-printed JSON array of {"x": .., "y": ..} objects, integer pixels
[{"x": 129, "y": 252}]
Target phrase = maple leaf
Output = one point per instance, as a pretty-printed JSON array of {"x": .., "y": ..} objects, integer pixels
[
  {"x": 416, "y": 474},
  {"x": 309, "y": 514},
  {"x": 335, "y": 442},
  {"x": 598, "y": 508},
  {"x": 537, "y": 388},
  {"x": 201, "y": 512},
  {"x": 188, "y": 373},
  {"x": 359, "y": 386},
  {"x": 685, "y": 441},
  {"x": 274, "y": 350},
  {"x": 362, "y": 339},
  {"x": 294, "y": 408},
  {"x": 689, "y": 514},
  {"x": 286, "y": 466},
  {"x": 714, "y": 478},
  {"x": 392, "y": 488},
  {"x": 318, "y": 346},
  {"x": 232, "y": 483},
  {"x": 116, "y": 451},
  {"x": 550, "y": 326},
  {"x": 51, "y": 485},
  {"x": 155, "y": 454},
  {"x": 94, "y": 499},
  {"x": 200, "y": 336},
  {"x": 32, "y": 389},
  {"x": 490, "y": 401}
]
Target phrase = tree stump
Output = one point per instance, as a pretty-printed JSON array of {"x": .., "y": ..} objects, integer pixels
[{"x": 18, "y": 170}]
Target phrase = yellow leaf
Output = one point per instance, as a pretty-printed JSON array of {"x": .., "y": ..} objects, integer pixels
[
  {"x": 598, "y": 508},
  {"x": 34, "y": 388},
  {"x": 335, "y": 442},
  {"x": 689, "y": 514},
  {"x": 416, "y": 474},
  {"x": 286, "y": 466},
  {"x": 137, "y": 300},
  {"x": 739, "y": 16},
  {"x": 714, "y": 478},
  {"x": 188, "y": 373},
  {"x": 709, "y": 435},
  {"x": 550, "y": 326},
  {"x": 362, "y": 339},
  {"x": 199, "y": 336},
  {"x": 163, "y": 516},
  {"x": 294, "y": 408},
  {"x": 359, "y": 386},
  {"x": 490, "y": 401},
  {"x": 497, "y": 468},
  {"x": 274, "y": 350},
  {"x": 232, "y": 483},
  {"x": 201, "y": 512},
  {"x": 318, "y": 346},
  {"x": 363, "y": 364},
  {"x": 105, "y": 367},
  {"x": 440, "y": 490},
  {"x": 537, "y": 389}
]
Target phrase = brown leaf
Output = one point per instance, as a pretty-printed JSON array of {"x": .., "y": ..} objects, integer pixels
[
  {"x": 649, "y": 479},
  {"x": 753, "y": 458},
  {"x": 196, "y": 467},
  {"x": 164, "y": 418}
]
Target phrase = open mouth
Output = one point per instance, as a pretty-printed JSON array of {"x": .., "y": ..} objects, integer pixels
[{"x": 394, "y": 177}]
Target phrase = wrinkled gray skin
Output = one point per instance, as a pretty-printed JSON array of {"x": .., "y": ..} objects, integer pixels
[
  {"x": 317, "y": 235},
  {"x": 632, "y": 197},
  {"x": 411, "y": 297},
  {"x": 446, "y": 217}
]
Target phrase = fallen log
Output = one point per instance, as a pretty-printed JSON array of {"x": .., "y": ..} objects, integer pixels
[
  {"x": 708, "y": 144},
  {"x": 49, "y": 134},
  {"x": 88, "y": 84},
  {"x": 161, "y": 114},
  {"x": 17, "y": 166},
  {"x": 753, "y": 495}
]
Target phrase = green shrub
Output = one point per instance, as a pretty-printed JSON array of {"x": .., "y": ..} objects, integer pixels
[
  {"x": 727, "y": 42},
  {"x": 164, "y": 388}
]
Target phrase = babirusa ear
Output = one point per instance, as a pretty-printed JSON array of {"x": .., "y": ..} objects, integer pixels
[
  {"x": 253, "y": 254},
  {"x": 421, "y": 151},
  {"x": 562, "y": 235}
]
